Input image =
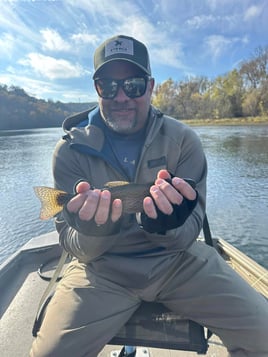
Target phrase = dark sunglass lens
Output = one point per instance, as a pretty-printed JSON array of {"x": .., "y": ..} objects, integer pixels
[
  {"x": 135, "y": 87},
  {"x": 106, "y": 88}
]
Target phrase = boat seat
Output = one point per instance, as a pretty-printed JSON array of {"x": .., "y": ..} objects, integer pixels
[{"x": 153, "y": 325}]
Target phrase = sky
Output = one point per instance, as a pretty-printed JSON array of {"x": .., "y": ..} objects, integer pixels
[{"x": 47, "y": 47}]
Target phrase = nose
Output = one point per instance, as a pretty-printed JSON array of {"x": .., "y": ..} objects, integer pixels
[{"x": 121, "y": 95}]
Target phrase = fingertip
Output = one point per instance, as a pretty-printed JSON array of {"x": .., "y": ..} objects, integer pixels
[
  {"x": 117, "y": 203},
  {"x": 163, "y": 174},
  {"x": 176, "y": 181},
  {"x": 117, "y": 209},
  {"x": 147, "y": 200},
  {"x": 149, "y": 207},
  {"x": 82, "y": 187},
  {"x": 106, "y": 194}
]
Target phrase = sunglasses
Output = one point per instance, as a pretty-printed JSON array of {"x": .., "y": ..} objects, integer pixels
[{"x": 133, "y": 87}]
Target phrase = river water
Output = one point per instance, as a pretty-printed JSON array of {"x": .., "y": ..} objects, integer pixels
[{"x": 237, "y": 204}]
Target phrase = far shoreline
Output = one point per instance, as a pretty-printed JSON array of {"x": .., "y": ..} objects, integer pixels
[{"x": 227, "y": 121}]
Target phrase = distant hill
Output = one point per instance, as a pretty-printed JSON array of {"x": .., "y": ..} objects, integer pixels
[{"x": 18, "y": 110}]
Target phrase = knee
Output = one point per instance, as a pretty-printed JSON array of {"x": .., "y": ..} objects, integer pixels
[{"x": 40, "y": 349}]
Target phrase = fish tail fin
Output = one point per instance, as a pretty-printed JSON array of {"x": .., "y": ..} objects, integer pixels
[{"x": 52, "y": 201}]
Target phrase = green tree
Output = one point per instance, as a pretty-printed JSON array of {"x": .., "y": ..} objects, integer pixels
[
  {"x": 226, "y": 94},
  {"x": 164, "y": 96}
]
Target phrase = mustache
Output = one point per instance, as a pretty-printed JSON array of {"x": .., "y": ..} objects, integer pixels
[{"x": 121, "y": 106}]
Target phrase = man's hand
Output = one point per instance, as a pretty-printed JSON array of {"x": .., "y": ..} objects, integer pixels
[
  {"x": 89, "y": 204},
  {"x": 94, "y": 204},
  {"x": 164, "y": 195}
]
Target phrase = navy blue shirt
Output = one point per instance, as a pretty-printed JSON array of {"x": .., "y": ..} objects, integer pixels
[{"x": 126, "y": 149}]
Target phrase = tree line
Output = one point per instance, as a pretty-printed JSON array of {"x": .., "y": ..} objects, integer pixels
[
  {"x": 242, "y": 92},
  {"x": 18, "y": 110}
]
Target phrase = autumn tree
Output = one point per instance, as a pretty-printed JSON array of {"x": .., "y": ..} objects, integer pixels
[
  {"x": 190, "y": 99},
  {"x": 255, "y": 76},
  {"x": 226, "y": 94},
  {"x": 165, "y": 96}
]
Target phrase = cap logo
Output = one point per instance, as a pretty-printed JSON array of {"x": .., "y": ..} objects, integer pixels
[{"x": 123, "y": 46}]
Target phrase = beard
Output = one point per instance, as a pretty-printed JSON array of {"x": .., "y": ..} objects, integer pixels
[{"x": 121, "y": 119}]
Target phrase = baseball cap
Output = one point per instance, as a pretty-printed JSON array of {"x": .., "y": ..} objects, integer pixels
[{"x": 122, "y": 48}]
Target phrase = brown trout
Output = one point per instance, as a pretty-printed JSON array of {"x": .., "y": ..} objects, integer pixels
[{"x": 131, "y": 194}]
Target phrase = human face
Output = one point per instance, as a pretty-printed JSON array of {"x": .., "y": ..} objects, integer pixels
[{"x": 123, "y": 114}]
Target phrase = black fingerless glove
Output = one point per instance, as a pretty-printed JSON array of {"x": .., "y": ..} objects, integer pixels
[
  {"x": 90, "y": 228},
  {"x": 165, "y": 222}
]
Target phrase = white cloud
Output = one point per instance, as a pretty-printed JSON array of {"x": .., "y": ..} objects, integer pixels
[
  {"x": 7, "y": 43},
  {"x": 52, "y": 68},
  {"x": 12, "y": 21},
  {"x": 31, "y": 86},
  {"x": 85, "y": 38},
  {"x": 216, "y": 45},
  {"x": 163, "y": 49},
  {"x": 46, "y": 90},
  {"x": 200, "y": 21},
  {"x": 252, "y": 12},
  {"x": 103, "y": 11},
  {"x": 223, "y": 4},
  {"x": 53, "y": 41},
  {"x": 169, "y": 55}
]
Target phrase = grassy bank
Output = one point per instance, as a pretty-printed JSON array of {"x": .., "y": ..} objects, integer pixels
[{"x": 228, "y": 121}]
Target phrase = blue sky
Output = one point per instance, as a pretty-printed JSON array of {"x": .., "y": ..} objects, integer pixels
[{"x": 46, "y": 47}]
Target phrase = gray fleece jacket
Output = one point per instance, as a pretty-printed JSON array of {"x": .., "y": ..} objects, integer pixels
[{"x": 82, "y": 155}]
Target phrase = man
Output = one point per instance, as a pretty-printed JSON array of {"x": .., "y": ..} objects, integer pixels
[{"x": 123, "y": 259}]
